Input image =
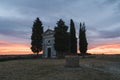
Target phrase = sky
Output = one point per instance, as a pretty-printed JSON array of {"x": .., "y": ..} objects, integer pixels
[{"x": 101, "y": 17}]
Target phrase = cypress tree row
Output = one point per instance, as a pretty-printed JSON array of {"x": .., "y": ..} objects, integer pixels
[
  {"x": 36, "y": 37},
  {"x": 82, "y": 40},
  {"x": 64, "y": 42},
  {"x": 61, "y": 38},
  {"x": 73, "y": 39}
]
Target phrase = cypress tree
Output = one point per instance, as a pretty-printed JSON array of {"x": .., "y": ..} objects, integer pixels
[
  {"x": 82, "y": 39},
  {"x": 61, "y": 38},
  {"x": 73, "y": 39},
  {"x": 36, "y": 37}
]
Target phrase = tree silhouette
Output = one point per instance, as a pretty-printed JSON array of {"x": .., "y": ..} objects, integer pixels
[
  {"x": 61, "y": 38},
  {"x": 73, "y": 39},
  {"x": 36, "y": 37},
  {"x": 82, "y": 39}
]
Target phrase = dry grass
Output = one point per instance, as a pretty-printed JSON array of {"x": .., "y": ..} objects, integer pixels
[{"x": 53, "y": 69}]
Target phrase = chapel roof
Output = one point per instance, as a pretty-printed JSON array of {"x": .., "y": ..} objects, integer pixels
[{"x": 48, "y": 32}]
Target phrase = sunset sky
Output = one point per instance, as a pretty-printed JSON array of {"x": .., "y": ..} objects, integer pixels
[{"x": 102, "y": 18}]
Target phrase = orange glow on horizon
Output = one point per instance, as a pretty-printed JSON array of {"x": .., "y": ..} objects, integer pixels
[
  {"x": 14, "y": 48},
  {"x": 7, "y": 48},
  {"x": 106, "y": 49}
]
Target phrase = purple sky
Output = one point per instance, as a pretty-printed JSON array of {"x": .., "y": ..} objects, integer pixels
[{"x": 102, "y": 18}]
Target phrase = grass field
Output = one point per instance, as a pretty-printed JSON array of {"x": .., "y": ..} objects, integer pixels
[{"x": 99, "y": 68}]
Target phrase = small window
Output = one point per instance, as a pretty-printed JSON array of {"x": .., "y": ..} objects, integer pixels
[{"x": 48, "y": 41}]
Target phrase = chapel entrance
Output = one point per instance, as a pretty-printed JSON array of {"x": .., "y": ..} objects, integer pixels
[{"x": 49, "y": 52}]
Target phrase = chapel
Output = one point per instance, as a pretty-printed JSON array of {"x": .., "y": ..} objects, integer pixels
[{"x": 48, "y": 44}]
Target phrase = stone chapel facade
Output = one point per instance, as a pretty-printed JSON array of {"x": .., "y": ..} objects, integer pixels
[{"x": 48, "y": 44}]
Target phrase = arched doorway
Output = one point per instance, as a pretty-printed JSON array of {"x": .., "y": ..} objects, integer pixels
[{"x": 49, "y": 52}]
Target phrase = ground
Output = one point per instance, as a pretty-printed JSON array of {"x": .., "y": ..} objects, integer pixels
[{"x": 100, "y": 68}]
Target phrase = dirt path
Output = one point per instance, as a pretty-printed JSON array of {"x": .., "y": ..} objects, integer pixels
[{"x": 105, "y": 66}]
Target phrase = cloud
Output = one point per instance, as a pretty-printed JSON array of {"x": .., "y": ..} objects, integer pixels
[
  {"x": 14, "y": 30},
  {"x": 110, "y": 34},
  {"x": 111, "y": 1},
  {"x": 101, "y": 18}
]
